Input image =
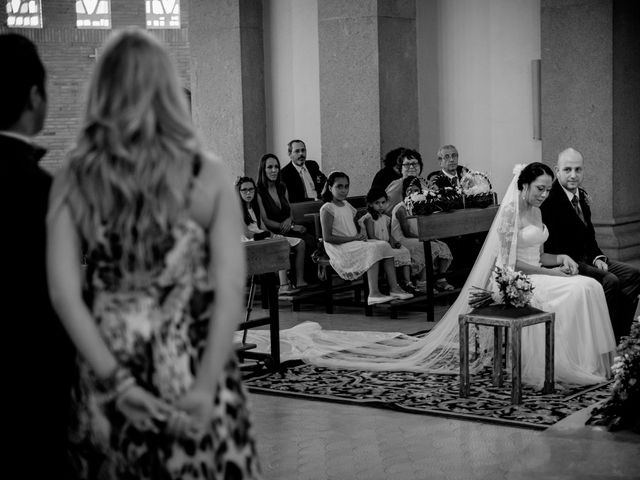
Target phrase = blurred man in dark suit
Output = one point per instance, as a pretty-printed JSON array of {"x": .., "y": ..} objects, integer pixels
[
  {"x": 567, "y": 215},
  {"x": 37, "y": 355}
]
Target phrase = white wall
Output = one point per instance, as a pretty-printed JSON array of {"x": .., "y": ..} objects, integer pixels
[
  {"x": 481, "y": 54},
  {"x": 292, "y": 71}
]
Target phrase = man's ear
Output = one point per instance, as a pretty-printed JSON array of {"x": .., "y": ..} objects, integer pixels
[{"x": 35, "y": 98}]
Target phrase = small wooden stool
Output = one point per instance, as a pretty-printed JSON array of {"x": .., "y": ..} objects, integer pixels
[{"x": 514, "y": 319}]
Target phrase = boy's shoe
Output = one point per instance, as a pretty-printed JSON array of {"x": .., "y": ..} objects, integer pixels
[{"x": 376, "y": 300}]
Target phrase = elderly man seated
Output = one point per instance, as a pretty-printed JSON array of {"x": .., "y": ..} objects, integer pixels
[{"x": 450, "y": 172}]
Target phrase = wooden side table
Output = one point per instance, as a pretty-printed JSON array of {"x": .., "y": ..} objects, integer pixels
[{"x": 513, "y": 319}]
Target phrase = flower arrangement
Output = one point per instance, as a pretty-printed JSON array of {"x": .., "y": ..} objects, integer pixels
[
  {"x": 621, "y": 409},
  {"x": 476, "y": 188},
  {"x": 423, "y": 202},
  {"x": 449, "y": 198},
  {"x": 510, "y": 287}
]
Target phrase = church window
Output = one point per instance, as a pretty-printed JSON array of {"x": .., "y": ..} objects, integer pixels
[
  {"x": 93, "y": 13},
  {"x": 24, "y": 13},
  {"x": 163, "y": 13}
]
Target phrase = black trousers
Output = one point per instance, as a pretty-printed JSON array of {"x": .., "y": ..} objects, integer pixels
[{"x": 621, "y": 286}]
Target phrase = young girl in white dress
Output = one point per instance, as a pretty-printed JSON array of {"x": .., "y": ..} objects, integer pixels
[
  {"x": 405, "y": 229},
  {"x": 378, "y": 227},
  {"x": 246, "y": 188},
  {"x": 350, "y": 253}
]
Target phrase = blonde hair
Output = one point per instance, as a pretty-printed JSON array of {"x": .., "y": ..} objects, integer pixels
[{"x": 137, "y": 136}]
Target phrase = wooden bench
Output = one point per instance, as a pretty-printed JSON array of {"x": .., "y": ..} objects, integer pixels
[
  {"x": 359, "y": 286},
  {"x": 443, "y": 225},
  {"x": 308, "y": 214},
  {"x": 264, "y": 258}
]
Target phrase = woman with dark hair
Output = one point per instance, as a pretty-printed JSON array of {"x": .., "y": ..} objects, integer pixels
[
  {"x": 246, "y": 188},
  {"x": 390, "y": 170},
  {"x": 405, "y": 229},
  {"x": 409, "y": 163},
  {"x": 276, "y": 214}
]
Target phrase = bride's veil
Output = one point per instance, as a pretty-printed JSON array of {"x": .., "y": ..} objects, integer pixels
[{"x": 437, "y": 351}]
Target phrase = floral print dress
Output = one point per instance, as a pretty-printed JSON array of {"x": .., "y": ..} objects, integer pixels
[{"x": 158, "y": 333}]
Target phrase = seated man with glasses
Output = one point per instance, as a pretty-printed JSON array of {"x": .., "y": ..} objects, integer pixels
[{"x": 450, "y": 173}]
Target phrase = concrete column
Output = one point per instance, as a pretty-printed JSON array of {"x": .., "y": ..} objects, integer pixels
[
  {"x": 227, "y": 80},
  {"x": 591, "y": 101},
  {"x": 368, "y": 84}
]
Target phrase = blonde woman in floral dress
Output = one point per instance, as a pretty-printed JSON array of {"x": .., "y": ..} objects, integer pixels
[{"x": 160, "y": 394}]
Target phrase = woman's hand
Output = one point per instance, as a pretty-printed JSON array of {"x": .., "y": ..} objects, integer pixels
[
  {"x": 361, "y": 237},
  {"x": 193, "y": 412},
  {"x": 298, "y": 228},
  {"x": 285, "y": 226},
  {"x": 567, "y": 265},
  {"x": 558, "y": 272},
  {"x": 143, "y": 409}
]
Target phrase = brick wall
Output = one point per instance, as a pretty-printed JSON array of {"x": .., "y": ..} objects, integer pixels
[{"x": 66, "y": 50}]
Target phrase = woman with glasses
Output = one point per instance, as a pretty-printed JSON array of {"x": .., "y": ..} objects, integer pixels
[
  {"x": 246, "y": 188},
  {"x": 409, "y": 164}
]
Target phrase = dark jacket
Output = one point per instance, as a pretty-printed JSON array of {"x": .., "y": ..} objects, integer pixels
[
  {"x": 36, "y": 351},
  {"x": 295, "y": 185},
  {"x": 567, "y": 233},
  {"x": 442, "y": 181}
]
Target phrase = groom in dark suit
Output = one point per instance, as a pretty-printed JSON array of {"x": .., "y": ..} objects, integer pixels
[
  {"x": 303, "y": 177},
  {"x": 567, "y": 215},
  {"x": 37, "y": 356}
]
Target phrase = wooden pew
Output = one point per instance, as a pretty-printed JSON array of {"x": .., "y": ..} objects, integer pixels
[
  {"x": 264, "y": 259},
  {"x": 442, "y": 225}
]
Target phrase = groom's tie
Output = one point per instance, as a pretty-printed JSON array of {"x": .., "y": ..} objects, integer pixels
[{"x": 576, "y": 206}]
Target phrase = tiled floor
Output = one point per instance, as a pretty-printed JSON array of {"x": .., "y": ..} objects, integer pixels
[{"x": 303, "y": 439}]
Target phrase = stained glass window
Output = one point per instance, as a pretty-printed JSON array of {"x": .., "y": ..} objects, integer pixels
[
  {"x": 93, "y": 13},
  {"x": 163, "y": 13},
  {"x": 24, "y": 13}
]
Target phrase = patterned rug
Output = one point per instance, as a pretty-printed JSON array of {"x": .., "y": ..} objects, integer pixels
[{"x": 429, "y": 394}]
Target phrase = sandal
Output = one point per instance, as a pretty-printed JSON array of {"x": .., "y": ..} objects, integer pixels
[
  {"x": 287, "y": 290},
  {"x": 444, "y": 286}
]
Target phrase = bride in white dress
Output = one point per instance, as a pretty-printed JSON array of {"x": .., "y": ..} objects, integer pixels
[
  {"x": 584, "y": 338},
  {"x": 583, "y": 333}
]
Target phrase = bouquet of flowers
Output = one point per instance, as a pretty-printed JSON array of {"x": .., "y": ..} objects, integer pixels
[
  {"x": 621, "y": 409},
  {"x": 510, "y": 287},
  {"x": 476, "y": 189},
  {"x": 424, "y": 202}
]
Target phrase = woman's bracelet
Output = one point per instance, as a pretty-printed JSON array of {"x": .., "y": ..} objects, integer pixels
[{"x": 116, "y": 383}]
